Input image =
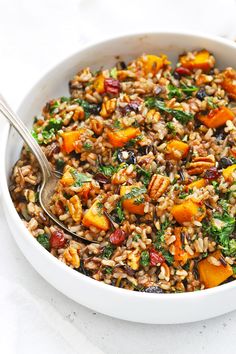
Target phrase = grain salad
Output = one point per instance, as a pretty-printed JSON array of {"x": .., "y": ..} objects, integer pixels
[{"x": 147, "y": 157}]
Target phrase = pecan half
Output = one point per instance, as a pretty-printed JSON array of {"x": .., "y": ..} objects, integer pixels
[
  {"x": 200, "y": 164},
  {"x": 157, "y": 186},
  {"x": 108, "y": 107}
]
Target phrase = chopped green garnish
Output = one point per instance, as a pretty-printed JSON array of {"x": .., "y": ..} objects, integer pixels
[
  {"x": 65, "y": 99},
  {"x": 108, "y": 270},
  {"x": 181, "y": 116},
  {"x": 108, "y": 170},
  {"x": 145, "y": 258},
  {"x": 135, "y": 192},
  {"x": 79, "y": 178},
  {"x": 210, "y": 103},
  {"x": 107, "y": 251},
  {"x": 174, "y": 92},
  {"x": 234, "y": 268},
  {"x": 145, "y": 175},
  {"x": 139, "y": 200},
  {"x": 117, "y": 124},
  {"x": 113, "y": 73},
  {"x": 188, "y": 90},
  {"x": 49, "y": 131},
  {"x": 119, "y": 211},
  {"x": 87, "y": 146},
  {"x": 225, "y": 206},
  {"x": 136, "y": 237},
  {"x": 171, "y": 128},
  {"x": 89, "y": 108},
  {"x": 55, "y": 105},
  {"x": 43, "y": 239},
  {"x": 168, "y": 257},
  {"x": 99, "y": 207},
  {"x": 60, "y": 164}
]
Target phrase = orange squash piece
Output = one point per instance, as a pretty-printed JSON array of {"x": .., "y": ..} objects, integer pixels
[
  {"x": 99, "y": 84},
  {"x": 212, "y": 275},
  {"x": 131, "y": 205},
  {"x": 95, "y": 217},
  {"x": 67, "y": 178},
  {"x": 181, "y": 256},
  {"x": 180, "y": 147},
  {"x": 152, "y": 63},
  {"x": 188, "y": 211},
  {"x": 229, "y": 82},
  {"x": 120, "y": 137},
  {"x": 202, "y": 60},
  {"x": 196, "y": 184},
  {"x": 228, "y": 171},
  {"x": 217, "y": 117},
  {"x": 69, "y": 139}
]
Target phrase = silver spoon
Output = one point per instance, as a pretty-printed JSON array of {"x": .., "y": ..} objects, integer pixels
[{"x": 49, "y": 176}]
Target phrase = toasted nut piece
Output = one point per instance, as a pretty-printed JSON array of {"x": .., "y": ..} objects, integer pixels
[
  {"x": 133, "y": 259},
  {"x": 200, "y": 164},
  {"x": 97, "y": 126},
  {"x": 152, "y": 116},
  {"x": 158, "y": 186},
  {"x": 108, "y": 107},
  {"x": 75, "y": 208},
  {"x": 71, "y": 257}
]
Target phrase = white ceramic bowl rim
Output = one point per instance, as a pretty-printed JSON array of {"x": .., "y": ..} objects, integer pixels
[{"x": 108, "y": 288}]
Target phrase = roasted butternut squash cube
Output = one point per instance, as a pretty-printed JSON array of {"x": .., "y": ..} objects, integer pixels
[
  {"x": 228, "y": 173},
  {"x": 69, "y": 139},
  {"x": 120, "y": 137},
  {"x": 176, "y": 150},
  {"x": 133, "y": 205},
  {"x": 217, "y": 117},
  {"x": 188, "y": 211},
  {"x": 152, "y": 63},
  {"x": 212, "y": 275},
  {"x": 196, "y": 184},
  {"x": 95, "y": 217},
  {"x": 201, "y": 60},
  {"x": 229, "y": 82}
]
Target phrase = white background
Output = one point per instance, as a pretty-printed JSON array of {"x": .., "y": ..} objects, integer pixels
[{"x": 34, "y": 317}]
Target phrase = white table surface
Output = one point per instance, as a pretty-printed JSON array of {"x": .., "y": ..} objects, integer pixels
[{"x": 34, "y": 317}]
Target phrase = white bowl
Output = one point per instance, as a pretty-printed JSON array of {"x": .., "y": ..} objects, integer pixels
[{"x": 120, "y": 303}]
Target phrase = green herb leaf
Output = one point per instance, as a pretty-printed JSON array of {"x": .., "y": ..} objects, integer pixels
[
  {"x": 135, "y": 192},
  {"x": 136, "y": 237},
  {"x": 171, "y": 128},
  {"x": 119, "y": 211},
  {"x": 181, "y": 116},
  {"x": 87, "y": 146},
  {"x": 174, "y": 92},
  {"x": 168, "y": 257},
  {"x": 107, "y": 170},
  {"x": 108, "y": 251},
  {"x": 44, "y": 241},
  {"x": 210, "y": 103},
  {"x": 188, "y": 90},
  {"x": 79, "y": 178},
  {"x": 89, "y": 108},
  {"x": 144, "y": 175},
  {"x": 108, "y": 270},
  {"x": 113, "y": 73},
  {"x": 145, "y": 258}
]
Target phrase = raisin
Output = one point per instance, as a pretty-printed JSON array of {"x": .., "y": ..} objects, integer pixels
[
  {"x": 201, "y": 94},
  {"x": 118, "y": 237},
  {"x": 57, "y": 239},
  {"x": 225, "y": 162},
  {"x": 101, "y": 178}
]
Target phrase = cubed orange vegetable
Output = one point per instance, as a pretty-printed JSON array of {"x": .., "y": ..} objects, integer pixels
[
  {"x": 95, "y": 217},
  {"x": 131, "y": 205},
  {"x": 176, "y": 149},
  {"x": 217, "y": 117},
  {"x": 228, "y": 172},
  {"x": 212, "y": 275},
  {"x": 120, "y": 137},
  {"x": 99, "y": 84},
  {"x": 196, "y": 184},
  {"x": 69, "y": 139},
  {"x": 67, "y": 178},
  {"x": 202, "y": 60},
  {"x": 233, "y": 152},
  {"x": 188, "y": 211},
  {"x": 229, "y": 82},
  {"x": 152, "y": 63}
]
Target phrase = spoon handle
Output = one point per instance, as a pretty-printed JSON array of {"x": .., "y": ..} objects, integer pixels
[{"x": 16, "y": 122}]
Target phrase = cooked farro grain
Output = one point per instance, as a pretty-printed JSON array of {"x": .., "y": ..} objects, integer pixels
[{"x": 148, "y": 163}]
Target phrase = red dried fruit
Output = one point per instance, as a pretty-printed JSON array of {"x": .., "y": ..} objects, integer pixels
[
  {"x": 212, "y": 173},
  {"x": 112, "y": 86},
  {"x": 182, "y": 71},
  {"x": 117, "y": 237},
  {"x": 132, "y": 106},
  {"x": 155, "y": 257},
  {"x": 57, "y": 239}
]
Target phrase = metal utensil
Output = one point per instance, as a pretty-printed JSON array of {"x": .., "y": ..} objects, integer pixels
[{"x": 49, "y": 176}]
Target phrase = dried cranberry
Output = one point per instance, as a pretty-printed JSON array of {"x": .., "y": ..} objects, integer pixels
[
  {"x": 57, "y": 239},
  {"x": 225, "y": 162},
  {"x": 212, "y": 173},
  {"x": 182, "y": 71},
  {"x": 155, "y": 257},
  {"x": 112, "y": 86},
  {"x": 117, "y": 237}
]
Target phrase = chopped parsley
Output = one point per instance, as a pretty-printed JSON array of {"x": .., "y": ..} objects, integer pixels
[
  {"x": 135, "y": 192},
  {"x": 44, "y": 241},
  {"x": 144, "y": 175},
  {"x": 136, "y": 237},
  {"x": 89, "y": 108},
  {"x": 49, "y": 131},
  {"x": 79, "y": 178},
  {"x": 174, "y": 92},
  {"x": 113, "y": 73},
  {"x": 188, "y": 90},
  {"x": 171, "y": 128},
  {"x": 107, "y": 251},
  {"x": 108, "y": 170},
  {"x": 108, "y": 270},
  {"x": 145, "y": 258},
  {"x": 160, "y": 240},
  {"x": 181, "y": 116},
  {"x": 210, "y": 103},
  {"x": 87, "y": 146}
]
